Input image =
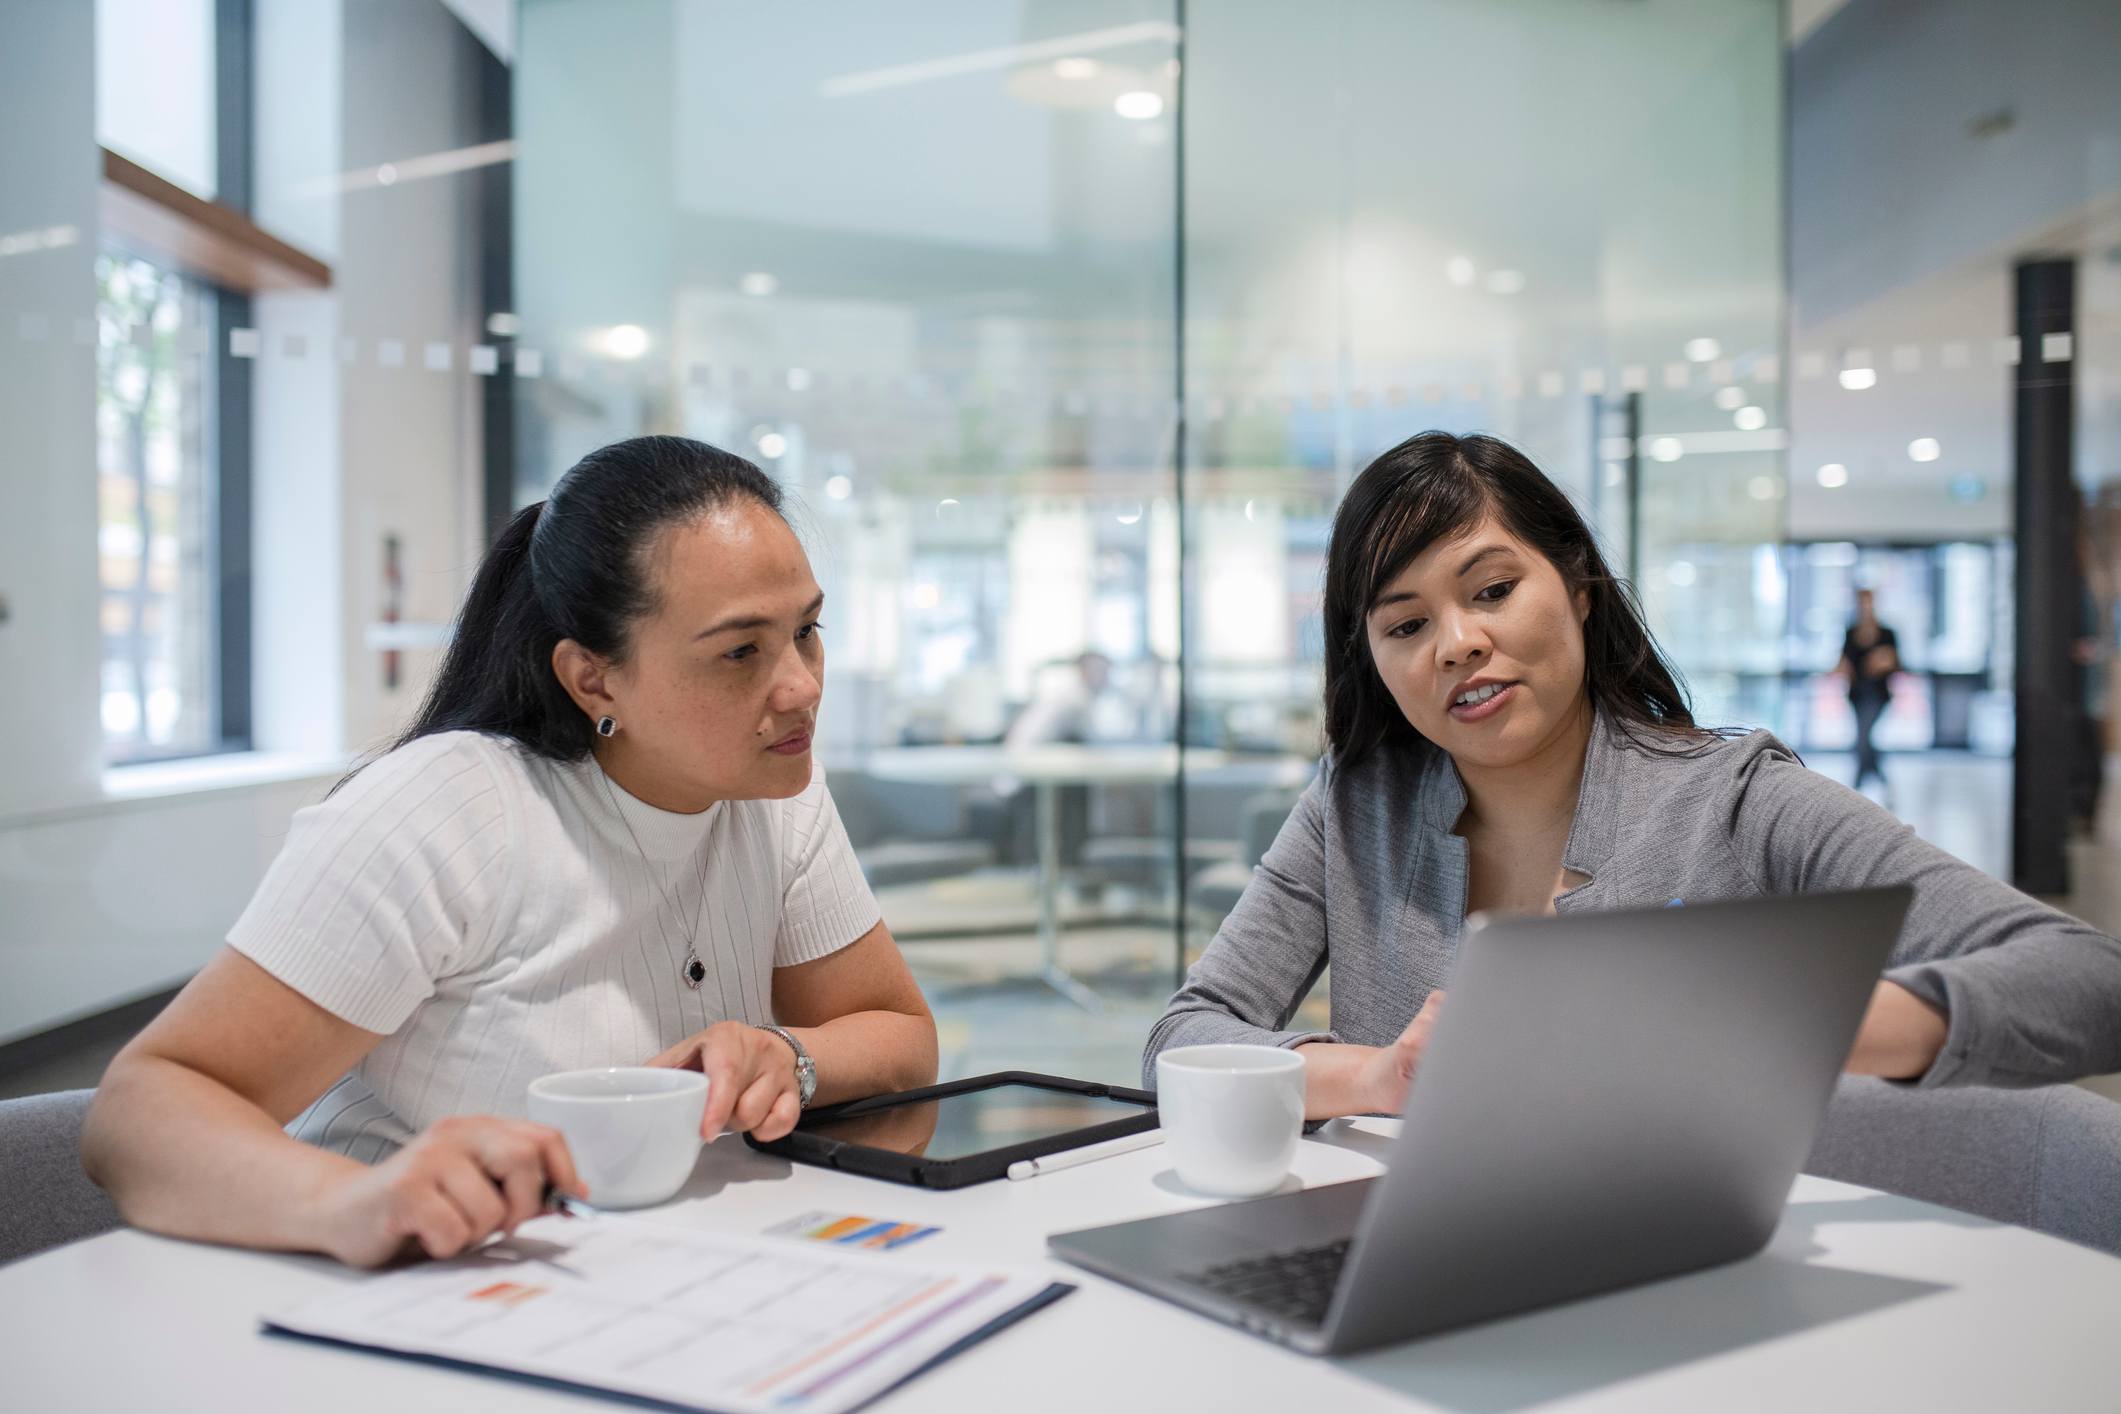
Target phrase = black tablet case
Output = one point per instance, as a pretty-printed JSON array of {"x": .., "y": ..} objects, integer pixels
[{"x": 911, "y": 1169}]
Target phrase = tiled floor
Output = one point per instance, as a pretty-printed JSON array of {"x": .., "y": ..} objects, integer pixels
[{"x": 991, "y": 1017}]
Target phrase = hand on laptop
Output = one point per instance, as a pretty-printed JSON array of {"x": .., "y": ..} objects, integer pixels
[{"x": 1354, "y": 1080}]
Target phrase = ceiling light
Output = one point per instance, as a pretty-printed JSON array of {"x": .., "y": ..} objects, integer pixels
[
  {"x": 1833, "y": 474},
  {"x": 1130, "y": 516},
  {"x": 1924, "y": 449},
  {"x": 1702, "y": 350},
  {"x": 758, "y": 282},
  {"x": 946, "y": 507},
  {"x": 1459, "y": 270},
  {"x": 1749, "y": 419},
  {"x": 1763, "y": 488},
  {"x": 1251, "y": 510},
  {"x": 1075, "y": 67},
  {"x": 627, "y": 341},
  {"x": 839, "y": 488},
  {"x": 386, "y": 174},
  {"x": 1665, "y": 449},
  {"x": 1857, "y": 379},
  {"x": 504, "y": 325},
  {"x": 798, "y": 379},
  {"x": 1680, "y": 572},
  {"x": 1730, "y": 399},
  {"x": 1139, "y": 105},
  {"x": 772, "y": 445}
]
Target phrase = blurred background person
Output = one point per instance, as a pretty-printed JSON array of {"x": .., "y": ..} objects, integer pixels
[{"x": 1870, "y": 655}]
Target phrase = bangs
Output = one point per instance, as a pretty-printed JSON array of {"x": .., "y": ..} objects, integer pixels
[{"x": 1436, "y": 510}]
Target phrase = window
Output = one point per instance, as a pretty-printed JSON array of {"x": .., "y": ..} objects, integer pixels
[{"x": 161, "y": 502}]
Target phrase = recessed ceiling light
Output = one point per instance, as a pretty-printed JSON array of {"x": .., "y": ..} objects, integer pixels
[
  {"x": 1857, "y": 379},
  {"x": 1459, "y": 270},
  {"x": 1680, "y": 572},
  {"x": 1075, "y": 68},
  {"x": 1730, "y": 399},
  {"x": 1666, "y": 449},
  {"x": 1763, "y": 488},
  {"x": 1833, "y": 474},
  {"x": 1924, "y": 449},
  {"x": 1749, "y": 419},
  {"x": 1702, "y": 350},
  {"x": 1139, "y": 105},
  {"x": 772, "y": 445},
  {"x": 839, "y": 488},
  {"x": 758, "y": 282},
  {"x": 627, "y": 341}
]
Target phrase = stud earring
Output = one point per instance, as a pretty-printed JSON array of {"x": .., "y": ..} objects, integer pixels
[{"x": 607, "y": 726}]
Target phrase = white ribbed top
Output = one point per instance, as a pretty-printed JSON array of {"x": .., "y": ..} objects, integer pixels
[{"x": 489, "y": 914}]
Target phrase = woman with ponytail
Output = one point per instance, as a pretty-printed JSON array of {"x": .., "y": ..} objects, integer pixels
[{"x": 603, "y": 841}]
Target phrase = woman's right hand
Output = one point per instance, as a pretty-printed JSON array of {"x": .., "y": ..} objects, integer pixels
[
  {"x": 460, "y": 1180},
  {"x": 1388, "y": 1071}
]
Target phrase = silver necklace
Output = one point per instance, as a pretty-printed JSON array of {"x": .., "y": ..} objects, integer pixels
[{"x": 693, "y": 972}]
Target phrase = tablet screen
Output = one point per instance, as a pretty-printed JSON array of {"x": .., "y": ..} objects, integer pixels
[{"x": 975, "y": 1122}]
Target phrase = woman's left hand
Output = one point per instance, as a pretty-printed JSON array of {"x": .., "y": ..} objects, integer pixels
[{"x": 751, "y": 1084}]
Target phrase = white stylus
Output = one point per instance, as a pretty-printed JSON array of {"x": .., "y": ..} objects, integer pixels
[{"x": 1088, "y": 1154}]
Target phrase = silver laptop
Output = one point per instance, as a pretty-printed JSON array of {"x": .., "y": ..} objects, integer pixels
[{"x": 1608, "y": 1098}]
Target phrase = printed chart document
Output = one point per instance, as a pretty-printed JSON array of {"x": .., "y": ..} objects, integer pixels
[{"x": 733, "y": 1324}]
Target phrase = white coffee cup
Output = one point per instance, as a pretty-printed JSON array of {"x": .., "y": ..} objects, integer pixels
[
  {"x": 1231, "y": 1115},
  {"x": 634, "y": 1130}
]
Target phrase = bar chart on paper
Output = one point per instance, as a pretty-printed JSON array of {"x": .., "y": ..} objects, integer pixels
[{"x": 716, "y": 1322}]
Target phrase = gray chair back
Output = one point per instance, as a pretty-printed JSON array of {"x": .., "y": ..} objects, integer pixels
[
  {"x": 49, "y": 1198},
  {"x": 1264, "y": 815},
  {"x": 2046, "y": 1158}
]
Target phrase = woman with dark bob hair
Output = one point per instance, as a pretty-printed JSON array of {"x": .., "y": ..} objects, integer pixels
[
  {"x": 1503, "y": 735},
  {"x": 603, "y": 841}
]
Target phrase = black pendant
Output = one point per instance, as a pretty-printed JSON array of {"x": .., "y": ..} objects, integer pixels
[{"x": 695, "y": 973}]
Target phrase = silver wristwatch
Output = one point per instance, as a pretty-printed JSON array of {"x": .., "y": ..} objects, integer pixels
[{"x": 805, "y": 1068}]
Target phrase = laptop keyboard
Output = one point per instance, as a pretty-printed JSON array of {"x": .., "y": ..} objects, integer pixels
[{"x": 1296, "y": 1285}]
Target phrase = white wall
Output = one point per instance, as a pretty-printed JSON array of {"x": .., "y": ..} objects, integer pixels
[
  {"x": 115, "y": 887},
  {"x": 48, "y": 645}
]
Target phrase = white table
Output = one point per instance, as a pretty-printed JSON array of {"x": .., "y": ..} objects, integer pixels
[
  {"x": 1046, "y": 769},
  {"x": 1862, "y": 1301}
]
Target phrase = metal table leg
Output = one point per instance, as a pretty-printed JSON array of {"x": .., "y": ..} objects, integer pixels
[{"x": 1047, "y": 802}]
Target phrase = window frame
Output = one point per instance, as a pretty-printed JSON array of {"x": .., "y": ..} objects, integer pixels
[{"x": 216, "y": 244}]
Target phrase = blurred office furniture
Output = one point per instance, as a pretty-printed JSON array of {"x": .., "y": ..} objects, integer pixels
[
  {"x": 2048, "y": 1158},
  {"x": 49, "y": 1199},
  {"x": 906, "y": 832},
  {"x": 1216, "y": 889},
  {"x": 1046, "y": 770}
]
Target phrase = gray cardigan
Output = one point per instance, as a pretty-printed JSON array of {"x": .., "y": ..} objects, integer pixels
[{"x": 1368, "y": 877}]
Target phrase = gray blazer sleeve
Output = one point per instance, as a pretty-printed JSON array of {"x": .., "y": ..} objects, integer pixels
[
  {"x": 2032, "y": 996},
  {"x": 1268, "y": 952}
]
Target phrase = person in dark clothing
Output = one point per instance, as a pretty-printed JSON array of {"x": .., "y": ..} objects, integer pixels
[{"x": 1870, "y": 655}]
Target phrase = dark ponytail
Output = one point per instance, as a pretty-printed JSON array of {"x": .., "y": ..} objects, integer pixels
[{"x": 575, "y": 565}]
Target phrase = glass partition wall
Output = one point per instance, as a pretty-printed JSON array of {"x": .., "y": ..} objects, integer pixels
[{"x": 1066, "y": 323}]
